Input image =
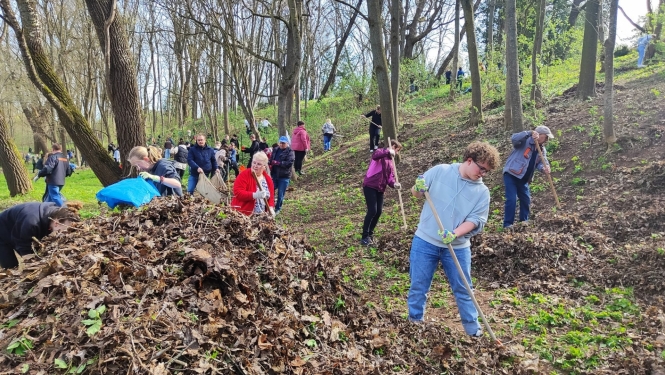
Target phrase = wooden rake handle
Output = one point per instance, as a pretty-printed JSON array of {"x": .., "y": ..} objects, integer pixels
[
  {"x": 461, "y": 273},
  {"x": 399, "y": 191},
  {"x": 549, "y": 177}
]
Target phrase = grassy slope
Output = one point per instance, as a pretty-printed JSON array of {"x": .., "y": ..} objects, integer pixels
[{"x": 327, "y": 207}]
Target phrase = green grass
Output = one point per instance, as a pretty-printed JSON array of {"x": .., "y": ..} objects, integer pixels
[{"x": 81, "y": 186}]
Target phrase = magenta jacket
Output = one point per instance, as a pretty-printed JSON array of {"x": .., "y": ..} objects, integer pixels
[
  {"x": 300, "y": 140},
  {"x": 380, "y": 172}
]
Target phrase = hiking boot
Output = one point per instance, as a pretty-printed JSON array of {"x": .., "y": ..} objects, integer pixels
[
  {"x": 372, "y": 240},
  {"x": 365, "y": 241}
]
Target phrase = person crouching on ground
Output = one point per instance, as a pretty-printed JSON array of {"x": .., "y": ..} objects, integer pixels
[
  {"x": 280, "y": 169},
  {"x": 250, "y": 197},
  {"x": 462, "y": 202},
  {"x": 23, "y": 222},
  {"x": 379, "y": 175},
  {"x": 201, "y": 159},
  {"x": 153, "y": 167},
  {"x": 519, "y": 169}
]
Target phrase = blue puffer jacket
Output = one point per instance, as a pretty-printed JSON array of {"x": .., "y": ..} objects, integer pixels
[
  {"x": 202, "y": 157},
  {"x": 523, "y": 146}
]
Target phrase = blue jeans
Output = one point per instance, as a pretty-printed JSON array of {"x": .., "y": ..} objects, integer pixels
[
  {"x": 640, "y": 55},
  {"x": 515, "y": 188},
  {"x": 53, "y": 195},
  {"x": 280, "y": 189},
  {"x": 424, "y": 260},
  {"x": 192, "y": 181},
  {"x": 326, "y": 141}
]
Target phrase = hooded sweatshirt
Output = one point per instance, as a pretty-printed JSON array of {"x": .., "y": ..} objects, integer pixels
[
  {"x": 300, "y": 140},
  {"x": 456, "y": 200}
]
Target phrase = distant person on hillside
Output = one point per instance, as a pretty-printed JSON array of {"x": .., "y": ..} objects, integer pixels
[
  {"x": 328, "y": 131},
  {"x": 151, "y": 166},
  {"x": 642, "y": 45},
  {"x": 180, "y": 154},
  {"x": 22, "y": 224},
  {"x": 300, "y": 144},
  {"x": 265, "y": 124},
  {"x": 116, "y": 155},
  {"x": 380, "y": 174},
  {"x": 233, "y": 158},
  {"x": 252, "y": 149},
  {"x": 168, "y": 145},
  {"x": 449, "y": 76},
  {"x": 201, "y": 159},
  {"x": 462, "y": 202},
  {"x": 519, "y": 169},
  {"x": 280, "y": 170},
  {"x": 460, "y": 78},
  {"x": 375, "y": 126}
]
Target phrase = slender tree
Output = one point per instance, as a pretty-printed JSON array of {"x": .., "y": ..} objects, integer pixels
[
  {"x": 455, "y": 51},
  {"x": 608, "y": 110},
  {"x": 587, "y": 81},
  {"x": 536, "y": 93},
  {"x": 472, "y": 47},
  {"x": 15, "y": 173},
  {"x": 514, "y": 103}
]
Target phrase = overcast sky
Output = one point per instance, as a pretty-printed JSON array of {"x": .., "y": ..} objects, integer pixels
[{"x": 634, "y": 9}]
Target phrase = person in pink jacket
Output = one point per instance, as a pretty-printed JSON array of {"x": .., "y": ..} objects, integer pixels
[{"x": 300, "y": 144}]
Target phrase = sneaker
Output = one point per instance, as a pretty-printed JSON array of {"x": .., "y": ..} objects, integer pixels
[
  {"x": 299, "y": 173},
  {"x": 372, "y": 240},
  {"x": 479, "y": 333},
  {"x": 365, "y": 241}
]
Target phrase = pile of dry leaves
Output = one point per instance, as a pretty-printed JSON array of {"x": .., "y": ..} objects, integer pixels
[{"x": 180, "y": 286}]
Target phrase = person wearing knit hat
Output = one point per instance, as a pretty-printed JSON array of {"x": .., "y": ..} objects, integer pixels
[
  {"x": 281, "y": 160},
  {"x": 519, "y": 169}
]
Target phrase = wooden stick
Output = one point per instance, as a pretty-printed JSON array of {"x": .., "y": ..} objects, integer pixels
[
  {"x": 399, "y": 191},
  {"x": 549, "y": 177},
  {"x": 270, "y": 209},
  {"x": 461, "y": 273}
]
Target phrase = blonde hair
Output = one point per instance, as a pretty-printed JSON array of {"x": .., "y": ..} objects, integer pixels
[
  {"x": 151, "y": 152},
  {"x": 261, "y": 156}
]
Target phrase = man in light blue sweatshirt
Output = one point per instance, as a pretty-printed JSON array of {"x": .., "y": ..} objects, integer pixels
[{"x": 462, "y": 202}]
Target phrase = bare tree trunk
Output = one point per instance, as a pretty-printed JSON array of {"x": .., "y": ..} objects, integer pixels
[
  {"x": 651, "y": 48},
  {"x": 536, "y": 94},
  {"x": 290, "y": 71},
  {"x": 476, "y": 93},
  {"x": 42, "y": 75},
  {"x": 587, "y": 82},
  {"x": 512, "y": 66},
  {"x": 608, "y": 115},
  {"x": 225, "y": 95},
  {"x": 381, "y": 68},
  {"x": 11, "y": 162},
  {"x": 395, "y": 17},
  {"x": 490, "y": 32},
  {"x": 121, "y": 77},
  {"x": 574, "y": 13},
  {"x": 455, "y": 51},
  {"x": 36, "y": 123}
]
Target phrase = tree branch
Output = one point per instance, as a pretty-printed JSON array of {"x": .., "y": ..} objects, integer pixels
[
  {"x": 631, "y": 21},
  {"x": 354, "y": 8}
]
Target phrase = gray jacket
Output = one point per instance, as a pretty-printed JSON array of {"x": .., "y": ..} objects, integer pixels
[{"x": 518, "y": 161}]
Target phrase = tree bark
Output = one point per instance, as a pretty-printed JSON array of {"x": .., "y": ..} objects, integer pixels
[
  {"x": 291, "y": 68},
  {"x": 536, "y": 94},
  {"x": 476, "y": 116},
  {"x": 42, "y": 75},
  {"x": 37, "y": 121},
  {"x": 455, "y": 51},
  {"x": 380, "y": 66},
  {"x": 395, "y": 18},
  {"x": 608, "y": 110},
  {"x": 122, "y": 84},
  {"x": 512, "y": 69},
  {"x": 11, "y": 162},
  {"x": 490, "y": 32},
  {"x": 574, "y": 13},
  {"x": 587, "y": 81},
  {"x": 651, "y": 48}
]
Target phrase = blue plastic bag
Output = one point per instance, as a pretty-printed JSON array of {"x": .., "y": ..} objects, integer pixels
[{"x": 134, "y": 191}]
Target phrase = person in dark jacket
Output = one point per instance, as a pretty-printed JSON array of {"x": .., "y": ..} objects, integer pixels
[
  {"x": 23, "y": 222},
  {"x": 153, "y": 167},
  {"x": 55, "y": 170},
  {"x": 180, "y": 154},
  {"x": 519, "y": 169},
  {"x": 201, "y": 159},
  {"x": 379, "y": 175},
  {"x": 374, "y": 128},
  {"x": 280, "y": 169},
  {"x": 449, "y": 76},
  {"x": 253, "y": 149}
]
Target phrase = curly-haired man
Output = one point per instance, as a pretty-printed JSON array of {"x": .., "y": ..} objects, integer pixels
[{"x": 462, "y": 202}]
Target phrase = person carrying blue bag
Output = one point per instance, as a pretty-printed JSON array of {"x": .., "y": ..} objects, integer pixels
[{"x": 153, "y": 167}]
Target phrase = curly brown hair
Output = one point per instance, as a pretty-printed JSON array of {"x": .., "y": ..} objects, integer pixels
[{"x": 483, "y": 152}]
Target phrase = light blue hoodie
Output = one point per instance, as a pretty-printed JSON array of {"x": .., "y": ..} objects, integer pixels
[{"x": 456, "y": 200}]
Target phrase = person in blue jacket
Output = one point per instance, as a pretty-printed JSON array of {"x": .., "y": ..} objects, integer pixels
[
  {"x": 201, "y": 159},
  {"x": 642, "y": 45},
  {"x": 460, "y": 78},
  {"x": 161, "y": 171},
  {"x": 519, "y": 169},
  {"x": 281, "y": 161},
  {"x": 20, "y": 224}
]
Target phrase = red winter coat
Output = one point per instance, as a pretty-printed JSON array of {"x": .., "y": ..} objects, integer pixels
[{"x": 243, "y": 189}]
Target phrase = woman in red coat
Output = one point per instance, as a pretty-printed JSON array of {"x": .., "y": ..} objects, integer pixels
[{"x": 248, "y": 197}]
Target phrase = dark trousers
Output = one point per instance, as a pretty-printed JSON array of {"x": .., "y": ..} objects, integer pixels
[
  {"x": 516, "y": 188},
  {"x": 374, "y": 137},
  {"x": 300, "y": 156},
  {"x": 374, "y": 201},
  {"x": 7, "y": 256},
  {"x": 181, "y": 172}
]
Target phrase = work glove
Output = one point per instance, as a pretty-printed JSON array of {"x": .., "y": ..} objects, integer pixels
[
  {"x": 276, "y": 162},
  {"x": 447, "y": 236},
  {"x": 420, "y": 185},
  {"x": 148, "y": 176},
  {"x": 392, "y": 151},
  {"x": 35, "y": 178},
  {"x": 397, "y": 185},
  {"x": 261, "y": 195}
]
